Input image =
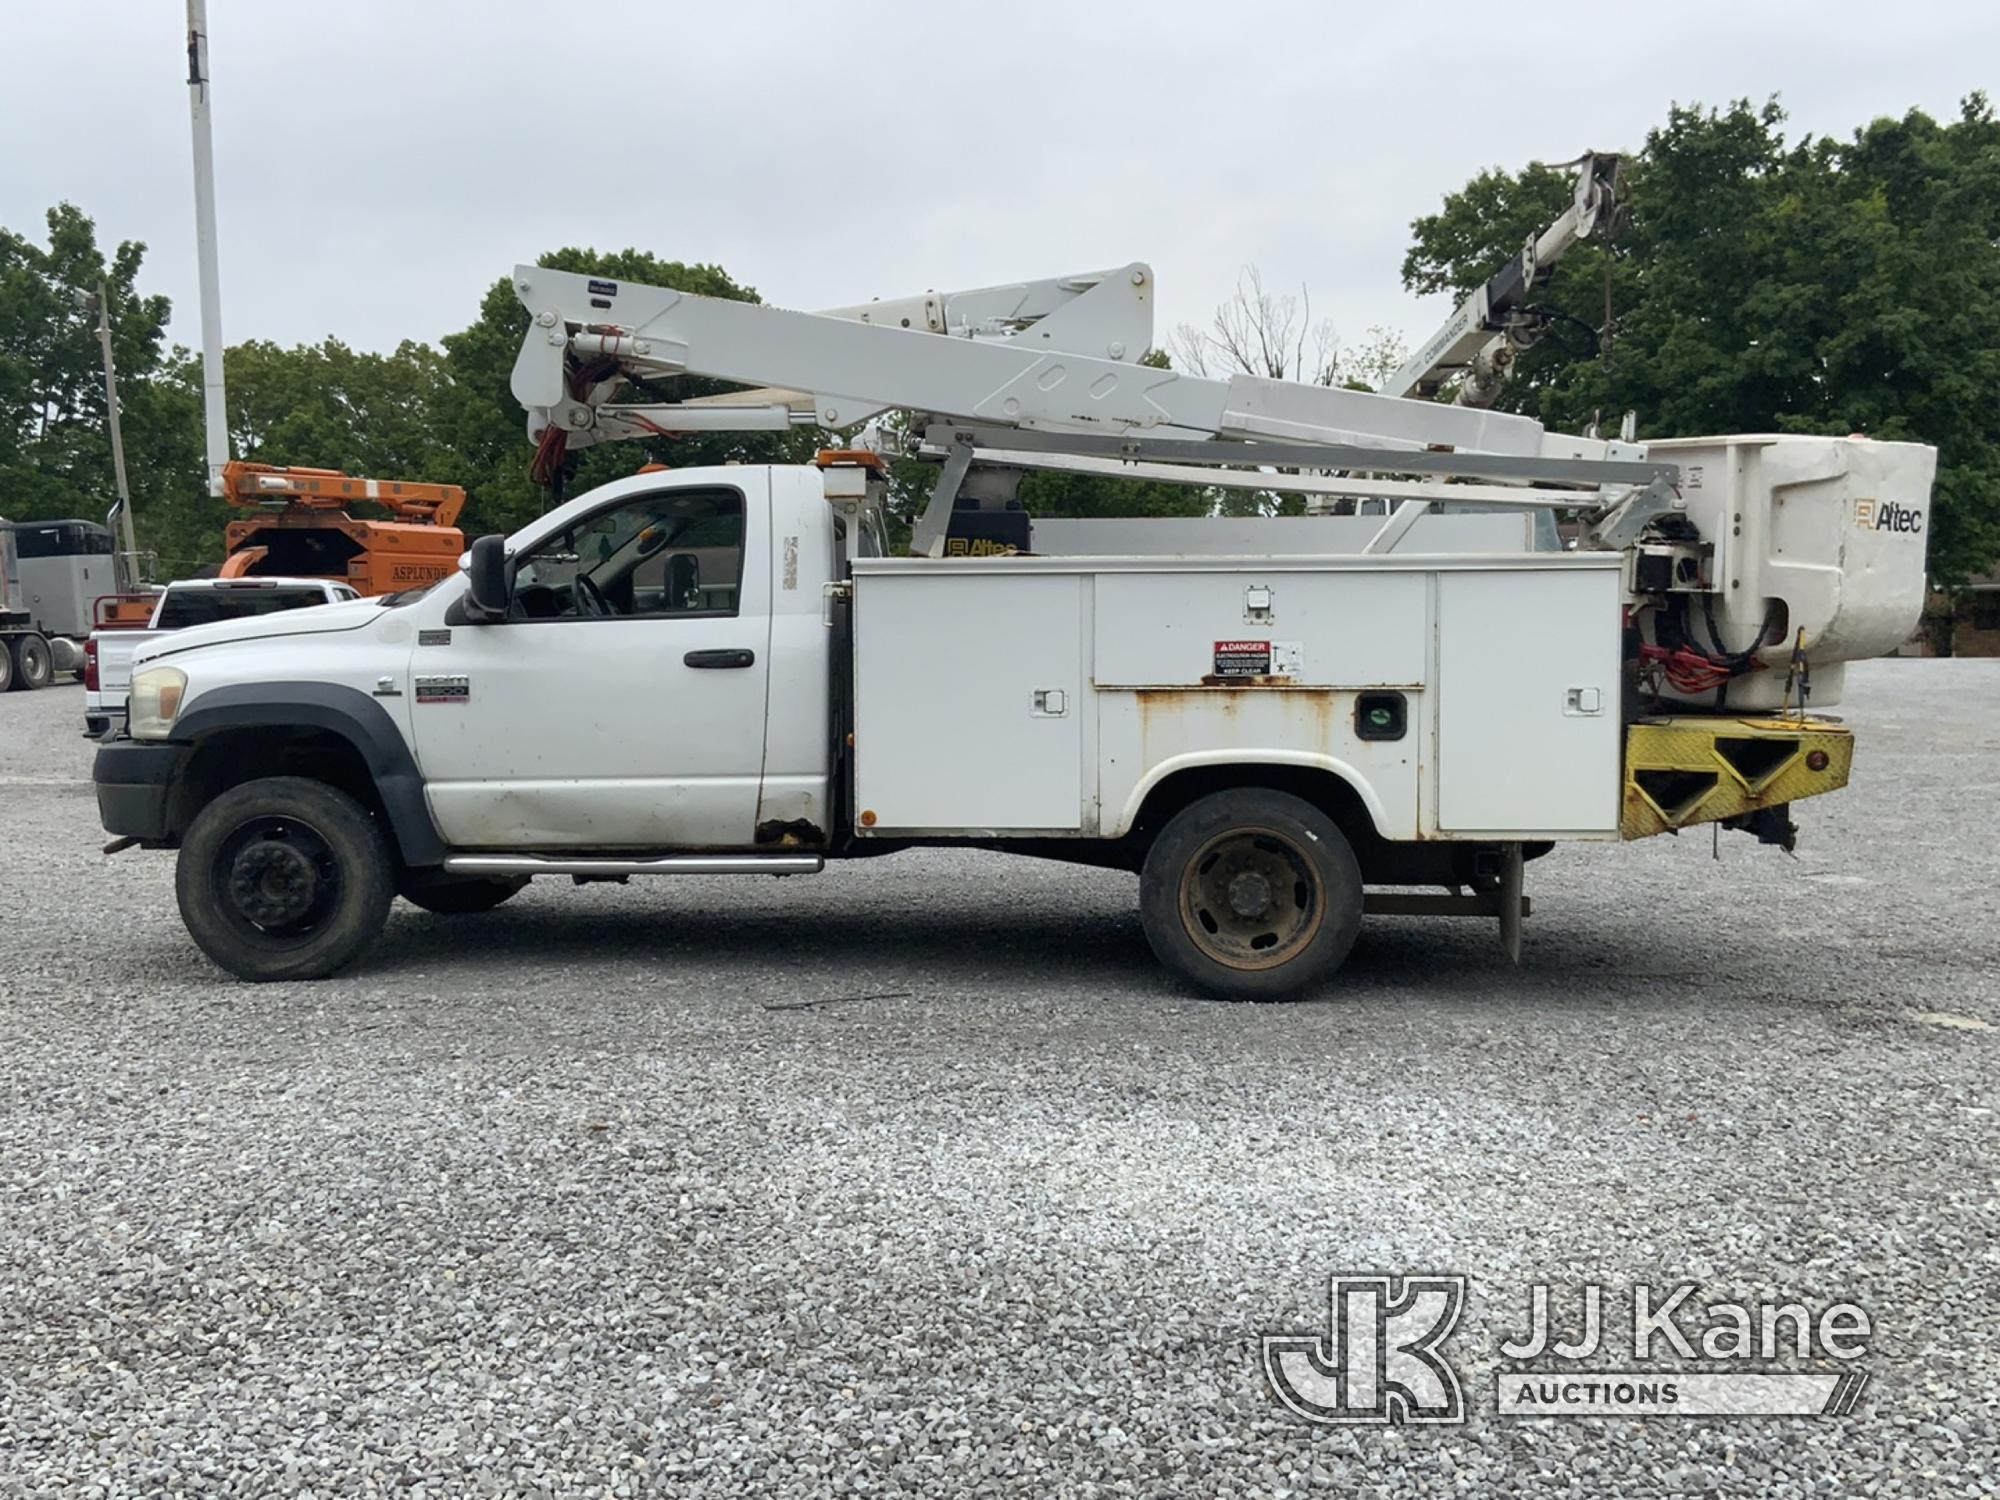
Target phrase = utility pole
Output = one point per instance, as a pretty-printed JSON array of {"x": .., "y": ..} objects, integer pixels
[
  {"x": 125, "y": 561},
  {"x": 214, "y": 411}
]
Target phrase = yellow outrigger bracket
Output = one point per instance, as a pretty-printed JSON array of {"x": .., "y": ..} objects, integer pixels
[{"x": 1683, "y": 771}]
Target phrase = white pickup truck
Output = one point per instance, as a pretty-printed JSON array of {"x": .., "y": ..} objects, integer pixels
[{"x": 108, "y": 654}]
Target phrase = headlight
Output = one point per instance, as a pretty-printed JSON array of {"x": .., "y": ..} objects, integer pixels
[{"x": 155, "y": 702}]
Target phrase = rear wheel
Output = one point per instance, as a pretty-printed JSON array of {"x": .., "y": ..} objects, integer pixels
[
  {"x": 1251, "y": 895},
  {"x": 284, "y": 878},
  {"x": 34, "y": 664},
  {"x": 7, "y": 672},
  {"x": 459, "y": 895}
]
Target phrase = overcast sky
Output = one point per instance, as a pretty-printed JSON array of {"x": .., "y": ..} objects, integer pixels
[{"x": 380, "y": 164}]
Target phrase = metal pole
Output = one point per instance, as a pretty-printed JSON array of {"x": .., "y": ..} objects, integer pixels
[
  {"x": 214, "y": 411},
  {"x": 124, "y": 562}
]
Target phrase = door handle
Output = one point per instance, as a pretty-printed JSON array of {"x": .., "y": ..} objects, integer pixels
[{"x": 715, "y": 659}]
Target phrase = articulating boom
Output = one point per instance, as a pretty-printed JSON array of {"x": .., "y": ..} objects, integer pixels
[
  {"x": 1057, "y": 355},
  {"x": 1493, "y": 325},
  {"x": 1060, "y": 358}
]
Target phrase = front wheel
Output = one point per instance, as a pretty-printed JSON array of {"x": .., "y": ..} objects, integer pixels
[
  {"x": 1251, "y": 895},
  {"x": 284, "y": 878}
]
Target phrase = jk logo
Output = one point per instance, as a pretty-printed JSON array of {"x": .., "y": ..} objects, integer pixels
[{"x": 1379, "y": 1361}]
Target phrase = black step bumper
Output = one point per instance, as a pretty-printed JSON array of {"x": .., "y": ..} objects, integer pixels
[{"x": 134, "y": 781}]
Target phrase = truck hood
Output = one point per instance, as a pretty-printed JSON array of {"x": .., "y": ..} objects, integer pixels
[{"x": 317, "y": 619}]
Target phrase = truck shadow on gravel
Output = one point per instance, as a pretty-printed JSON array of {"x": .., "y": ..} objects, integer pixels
[{"x": 1581, "y": 965}]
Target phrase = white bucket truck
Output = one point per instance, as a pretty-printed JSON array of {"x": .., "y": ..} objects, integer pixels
[{"x": 1279, "y": 724}]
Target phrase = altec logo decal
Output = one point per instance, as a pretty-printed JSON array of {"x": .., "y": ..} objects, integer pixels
[{"x": 1887, "y": 515}]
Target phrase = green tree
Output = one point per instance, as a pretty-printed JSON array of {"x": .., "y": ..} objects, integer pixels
[
  {"x": 1823, "y": 285},
  {"x": 55, "y": 447},
  {"x": 328, "y": 406}
]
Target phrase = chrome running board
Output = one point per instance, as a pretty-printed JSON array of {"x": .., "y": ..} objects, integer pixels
[{"x": 666, "y": 864}]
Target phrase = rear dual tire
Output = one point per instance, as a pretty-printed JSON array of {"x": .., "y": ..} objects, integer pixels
[
  {"x": 26, "y": 663},
  {"x": 1251, "y": 895}
]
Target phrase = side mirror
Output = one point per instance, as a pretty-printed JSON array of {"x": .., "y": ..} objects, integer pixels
[{"x": 488, "y": 590}]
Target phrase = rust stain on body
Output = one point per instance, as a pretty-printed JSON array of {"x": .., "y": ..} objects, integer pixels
[
  {"x": 1280, "y": 713},
  {"x": 1292, "y": 684}
]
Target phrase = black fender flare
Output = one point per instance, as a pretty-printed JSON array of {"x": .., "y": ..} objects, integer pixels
[{"x": 347, "y": 712}]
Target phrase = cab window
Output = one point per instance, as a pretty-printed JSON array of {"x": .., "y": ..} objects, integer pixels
[
  {"x": 231, "y": 600},
  {"x": 677, "y": 553}
]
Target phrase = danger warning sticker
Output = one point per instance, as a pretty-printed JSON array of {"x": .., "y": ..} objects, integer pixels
[
  {"x": 1259, "y": 658},
  {"x": 1242, "y": 658}
]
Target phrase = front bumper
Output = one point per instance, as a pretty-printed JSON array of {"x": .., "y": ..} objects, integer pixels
[{"x": 134, "y": 783}]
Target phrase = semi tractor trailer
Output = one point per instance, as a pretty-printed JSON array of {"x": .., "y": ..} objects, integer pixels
[
  {"x": 1280, "y": 725},
  {"x": 52, "y": 573}
]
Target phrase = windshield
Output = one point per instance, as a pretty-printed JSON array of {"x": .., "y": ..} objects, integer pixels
[{"x": 184, "y": 607}]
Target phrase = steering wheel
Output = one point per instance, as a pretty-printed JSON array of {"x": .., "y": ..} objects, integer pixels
[{"x": 590, "y": 598}]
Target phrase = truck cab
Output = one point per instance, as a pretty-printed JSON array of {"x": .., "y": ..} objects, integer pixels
[
  {"x": 653, "y": 681},
  {"x": 659, "y": 680}
]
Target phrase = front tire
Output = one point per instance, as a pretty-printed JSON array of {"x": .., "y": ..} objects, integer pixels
[
  {"x": 1251, "y": 895},
  {"x": 284, "y": 878},
  {"x": 460, "y": 895},
  {"x": 34, "y": 663}
]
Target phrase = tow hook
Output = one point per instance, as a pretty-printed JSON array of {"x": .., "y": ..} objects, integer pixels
[{"x": 117, "y": 844}]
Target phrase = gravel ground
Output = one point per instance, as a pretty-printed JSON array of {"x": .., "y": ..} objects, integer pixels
[{"x": 578, "y": 1198}]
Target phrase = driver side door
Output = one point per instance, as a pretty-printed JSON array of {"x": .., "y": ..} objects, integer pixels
[{"x": 622, "y": 703}]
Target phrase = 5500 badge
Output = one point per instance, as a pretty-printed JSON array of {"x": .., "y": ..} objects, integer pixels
[{"x": 443, "y": 688}]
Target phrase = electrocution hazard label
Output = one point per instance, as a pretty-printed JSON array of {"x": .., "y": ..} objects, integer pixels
[
  {"x": 1242, "y": 658},
  {"x": 1259, "y": 658}
]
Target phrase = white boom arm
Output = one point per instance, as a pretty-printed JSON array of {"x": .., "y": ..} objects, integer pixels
[
  {"x": 1495, "y": 322},
  {"x": 1061, "y": 356},
  {"x": 1058, "y": 355}
]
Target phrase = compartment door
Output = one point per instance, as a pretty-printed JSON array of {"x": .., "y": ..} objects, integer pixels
[
  {"x": 955, "y": 723},
  {"x": 1528, "y": 701}
]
